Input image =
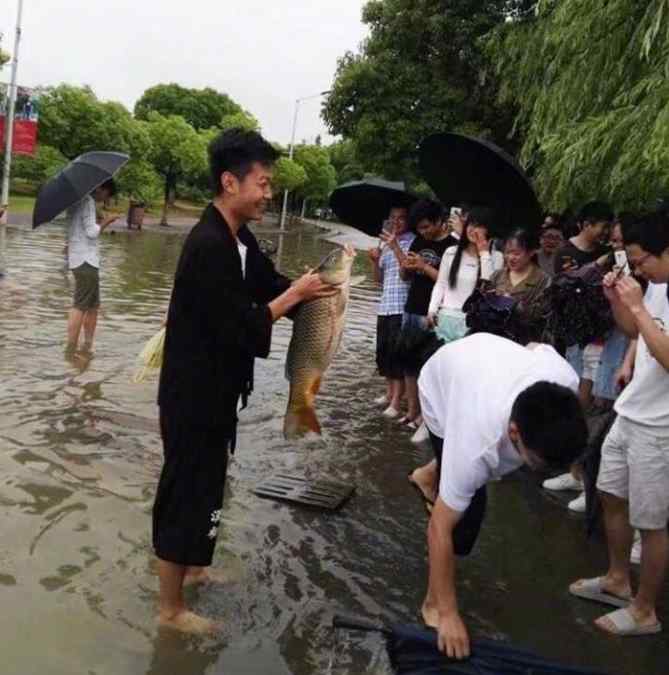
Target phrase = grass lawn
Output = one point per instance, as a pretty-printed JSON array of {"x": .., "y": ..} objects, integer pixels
[{"x": 21, "y": 203}]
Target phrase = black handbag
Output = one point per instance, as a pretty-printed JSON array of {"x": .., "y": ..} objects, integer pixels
[{"x": 580, "y": 313}]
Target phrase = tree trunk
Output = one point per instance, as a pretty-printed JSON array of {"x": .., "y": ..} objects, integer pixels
[
  {"x": 170, "y": 189},
  {"x": 304, "y": 208}
]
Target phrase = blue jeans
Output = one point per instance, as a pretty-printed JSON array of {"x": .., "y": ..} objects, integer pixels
[{"x": 612, "y": 358}]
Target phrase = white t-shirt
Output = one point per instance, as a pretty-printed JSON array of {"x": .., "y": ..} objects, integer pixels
[
  {"x": 443, "y": 296},
  {"x": 645, "y": 400},
  {"x": 82, "y": 239},
  {"x": 242, "y": 254},
  {"x": 467, "y": 390}
]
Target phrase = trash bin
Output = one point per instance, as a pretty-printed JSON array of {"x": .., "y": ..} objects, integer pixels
[{"x": 136, "y": 211}]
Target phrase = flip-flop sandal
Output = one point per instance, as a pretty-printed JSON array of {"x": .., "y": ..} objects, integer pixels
[
  {"x": 591, "y": 589},
  {"x": 412, "y": 425},
  {"x": 626, "y": 626}
]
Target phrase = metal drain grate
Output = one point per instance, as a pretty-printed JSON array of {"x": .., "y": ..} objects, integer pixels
[{"x": 322, "y": 494}]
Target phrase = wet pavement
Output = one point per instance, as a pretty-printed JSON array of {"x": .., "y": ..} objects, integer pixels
[{"x": 79, "y": 460}]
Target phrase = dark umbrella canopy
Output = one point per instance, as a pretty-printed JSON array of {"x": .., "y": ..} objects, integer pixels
[
  {"x": 78, "y": 179},
  {"x": 365, "y": 204},
  {"x": 459, "y": 168},
  {"x": 413, "y": 651}
]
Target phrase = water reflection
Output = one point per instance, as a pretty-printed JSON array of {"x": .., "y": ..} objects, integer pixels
[{"x": 79, "y": 460}]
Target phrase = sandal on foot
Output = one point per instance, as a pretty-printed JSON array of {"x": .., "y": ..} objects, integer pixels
[
  {"x": 625, "y": 625},
  {"x": 591, "y": 589},
  {"x": 428, "y": 503}
]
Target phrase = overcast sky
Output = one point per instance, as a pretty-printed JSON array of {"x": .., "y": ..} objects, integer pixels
[{"x": 263, "y": 54}]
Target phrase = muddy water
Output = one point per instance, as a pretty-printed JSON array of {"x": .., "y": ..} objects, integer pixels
[{"x": 79, "y": 459}]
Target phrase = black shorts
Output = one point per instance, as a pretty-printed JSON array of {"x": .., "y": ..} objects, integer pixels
[
  {"x": 187, "y": 510},
  {"x": 388, "y": 329},
  {"x": 467, "y": 530},
  {"x": 86, "y": 287}
]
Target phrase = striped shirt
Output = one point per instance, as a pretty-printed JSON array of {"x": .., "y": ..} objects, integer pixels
[{"x": 395, "y": 291}]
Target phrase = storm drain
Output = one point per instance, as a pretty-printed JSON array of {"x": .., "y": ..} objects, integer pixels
[{"x": 316, "y": 493}]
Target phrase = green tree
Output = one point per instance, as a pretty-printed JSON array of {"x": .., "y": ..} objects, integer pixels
[
  {"x": 4, "y": 57},
  {"x": 46, "y": 163},
  {"x": 321, "y": 175},
  {"x": 344, "y": 158},
  {"x": 421, "y": 70},
  {"x": 590, "y": 82},
  {"x": 140, "y": 182},
  {"x": 240, "y": 120},
  {"x": 201, "y": 108},
  {"x": 177, "y": 150},
  {"x": 74, "y": 121},
  {"x": 288, "y": 175}
]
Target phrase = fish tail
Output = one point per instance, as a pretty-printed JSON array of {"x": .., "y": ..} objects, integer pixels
[
  {"x": 300, "y": 421},
  {"x": 301, "y": 414}
]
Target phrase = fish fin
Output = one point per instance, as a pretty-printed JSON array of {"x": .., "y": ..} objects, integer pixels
[
  {"x": 299, "y": 422},
  {"x": 357, "y": 281}
]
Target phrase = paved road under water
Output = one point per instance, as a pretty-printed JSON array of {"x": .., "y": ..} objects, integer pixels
[{"x": 79, "y": 459}]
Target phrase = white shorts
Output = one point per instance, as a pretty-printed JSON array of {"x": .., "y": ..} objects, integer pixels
[{"x": 635, "y": 467}]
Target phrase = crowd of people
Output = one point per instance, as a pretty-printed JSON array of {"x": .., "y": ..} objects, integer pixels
[
  {"x": 496, "y": 353},
  {"x": 533, "y": 336}
]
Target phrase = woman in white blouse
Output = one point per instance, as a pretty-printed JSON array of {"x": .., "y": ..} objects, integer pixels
[{"x": 462, "y": 267}]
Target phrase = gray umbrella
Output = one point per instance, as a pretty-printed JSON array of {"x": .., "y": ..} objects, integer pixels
[{"x": 78, "y": 179}]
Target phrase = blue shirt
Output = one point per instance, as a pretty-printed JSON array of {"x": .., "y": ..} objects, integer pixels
[{"x": 395, "y": 291}]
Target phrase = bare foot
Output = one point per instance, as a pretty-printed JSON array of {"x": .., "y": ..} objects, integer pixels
[
  {"x": 188, "y": 622},
  {"x": 430, "y": 615},
  {"x": 422, "y": 480},
  {"x": 205, "y": 577}
]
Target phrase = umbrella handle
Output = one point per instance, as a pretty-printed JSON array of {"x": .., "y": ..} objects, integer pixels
[{"x": 356, "y": 623}]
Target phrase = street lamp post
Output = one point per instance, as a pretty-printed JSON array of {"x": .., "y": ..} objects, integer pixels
[
  {"x": 291, "y": 151},
  {"x": 9, "y": 119}
]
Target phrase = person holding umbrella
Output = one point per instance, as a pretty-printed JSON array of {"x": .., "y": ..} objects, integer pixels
[{"x": 84, "y": 263}]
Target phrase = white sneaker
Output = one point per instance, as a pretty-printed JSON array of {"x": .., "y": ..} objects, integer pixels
[
  {"x": 421, "y": 436},
  {"x": 391, "y": 413},
  {"x": 577, "y": 505},
  {"x": 381, "y": 400},
  {"x": 564, "y": 482},
  {"x": 635, "y": 555}
]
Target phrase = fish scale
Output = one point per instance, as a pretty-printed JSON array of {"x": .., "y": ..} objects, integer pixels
[{"x": 317, "y": 331}]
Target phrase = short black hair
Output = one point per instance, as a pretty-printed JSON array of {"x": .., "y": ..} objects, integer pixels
[
  {"x": 650, "y": 232},
  {"x": 483, "y": 216},
  {"x": 110, "y": 186},
  {"x": 528, "y": 240},
  {"x": 595, "y": 212},
  {"x": 425, "y": 209},
  {"x": 551, "y": 423},
  {"x": 236, "y": 150}
]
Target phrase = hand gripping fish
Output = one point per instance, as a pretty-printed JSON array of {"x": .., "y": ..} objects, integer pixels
[{"x": 317, "y": 332}]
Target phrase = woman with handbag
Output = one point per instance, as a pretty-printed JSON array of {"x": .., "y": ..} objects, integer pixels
[{"x": 523, "y": 282}]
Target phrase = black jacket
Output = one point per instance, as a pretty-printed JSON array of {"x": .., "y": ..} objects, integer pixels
[{"x": 218, "y": 323}]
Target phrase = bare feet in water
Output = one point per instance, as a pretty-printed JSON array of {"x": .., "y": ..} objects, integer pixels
[
  {"x": 205, "y": 576},
  {"x": 188, "y": 622},
  {"x": 423, "y": 480}
]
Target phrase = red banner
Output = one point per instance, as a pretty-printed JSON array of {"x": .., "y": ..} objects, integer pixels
[{"x": 24, "y": 141}]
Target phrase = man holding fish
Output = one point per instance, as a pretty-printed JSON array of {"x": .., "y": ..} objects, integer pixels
[{"x": 226, "y": 297}]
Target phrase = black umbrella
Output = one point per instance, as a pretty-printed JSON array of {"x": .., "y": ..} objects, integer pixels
[
  {"x": 78, "y": 179},
  {"x": 413, "y": 651},
  {"x": 365, "y": 204},
  {"x": 459, "y": 168}
]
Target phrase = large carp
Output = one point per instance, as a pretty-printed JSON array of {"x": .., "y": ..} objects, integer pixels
[{"x": 317, "y": 330}]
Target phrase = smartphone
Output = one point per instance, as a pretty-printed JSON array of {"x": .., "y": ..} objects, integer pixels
[
  {"x": 621, "y": 261},
  {"x": 456, "y": 211}
]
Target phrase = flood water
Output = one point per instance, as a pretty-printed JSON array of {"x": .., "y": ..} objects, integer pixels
[{"x": 79, "y": 461}]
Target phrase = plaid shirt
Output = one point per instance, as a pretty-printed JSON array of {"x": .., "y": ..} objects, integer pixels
[{"x": 395, "y": 291}]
